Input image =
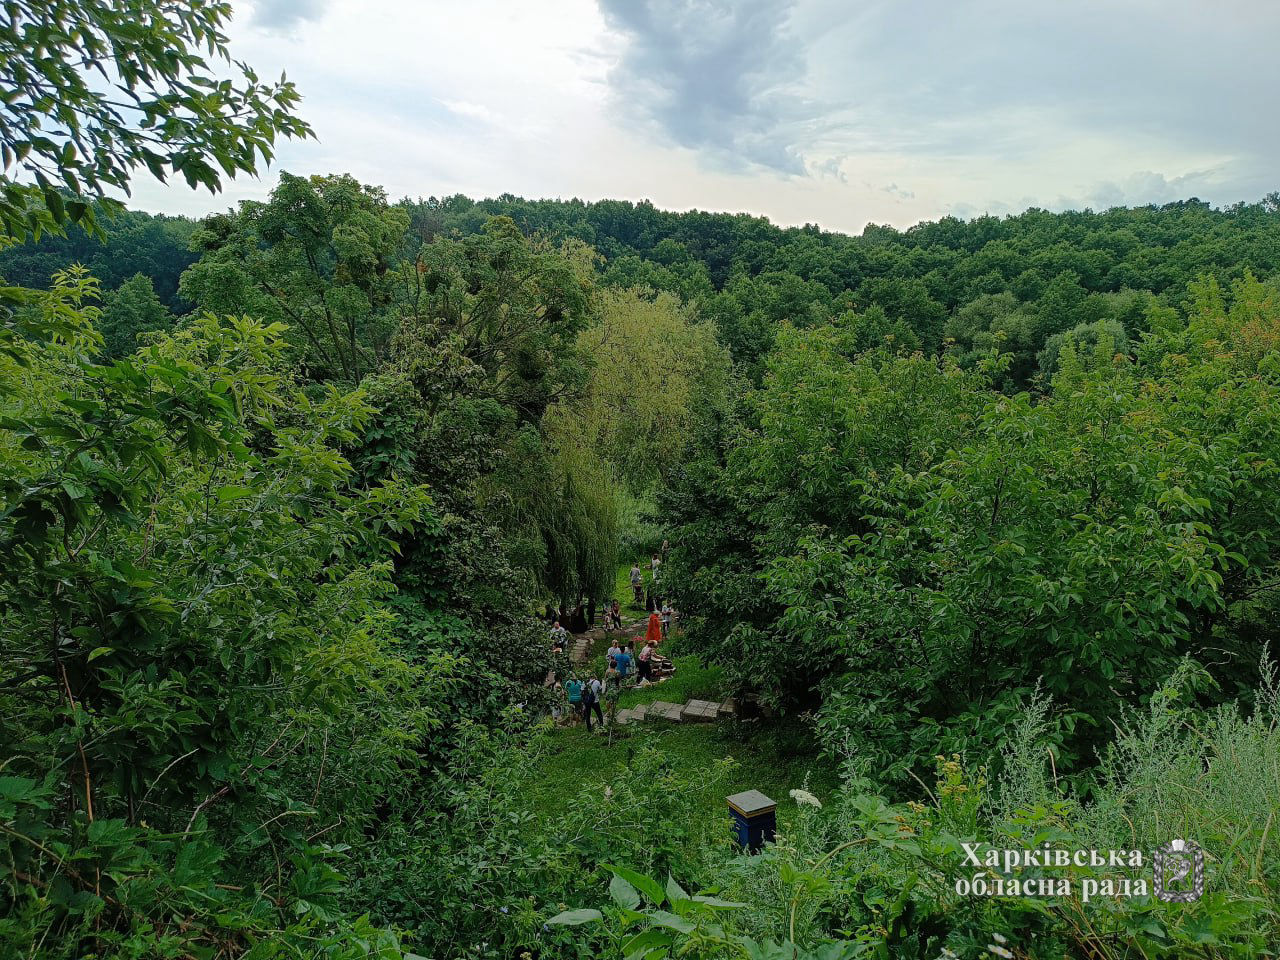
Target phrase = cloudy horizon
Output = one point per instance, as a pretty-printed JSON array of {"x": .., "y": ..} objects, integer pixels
[{"x": 803, "y": 111}]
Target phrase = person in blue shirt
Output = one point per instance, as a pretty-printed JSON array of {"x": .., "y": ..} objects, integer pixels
[{"x": 623, "y": 660}]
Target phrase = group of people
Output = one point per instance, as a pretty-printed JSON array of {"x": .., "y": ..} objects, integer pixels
[{"x": 580, "y": 699}]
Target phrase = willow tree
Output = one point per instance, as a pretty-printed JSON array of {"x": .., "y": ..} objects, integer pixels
[{"x": 652, "y": 365}]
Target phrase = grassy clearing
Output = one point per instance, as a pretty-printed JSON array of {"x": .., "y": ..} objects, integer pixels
[{"x": 773, "y": 759}]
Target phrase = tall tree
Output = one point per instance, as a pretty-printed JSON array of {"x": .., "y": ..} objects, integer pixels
[
  {"x": 131, "y": 309},
  {"x": 315, "y": 256}
]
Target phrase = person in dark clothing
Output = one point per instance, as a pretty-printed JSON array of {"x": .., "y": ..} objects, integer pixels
[{"x": 591, "y": 702}]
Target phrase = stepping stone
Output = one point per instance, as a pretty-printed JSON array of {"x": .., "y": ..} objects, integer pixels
[
  {"x": 639, "y": 711},
  {"x": 661, "y": 710},
  {"x": 690, "y": 712},
  {"x": 623, "y": 717},
  {"x": 729, "y": 708},
  {"x": 699, "y": 711}
]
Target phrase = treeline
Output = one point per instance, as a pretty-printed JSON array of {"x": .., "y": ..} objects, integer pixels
[
  {"x": 1024, "y": 283},
  {"x": 1018, "y": 281}
]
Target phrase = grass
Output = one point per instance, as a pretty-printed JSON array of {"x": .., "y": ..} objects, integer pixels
[
  {"x": 692, "y": 681},
  {"x": 772, "y": 759}
]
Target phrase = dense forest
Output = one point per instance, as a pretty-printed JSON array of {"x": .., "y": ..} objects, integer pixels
[{"x": 977, "y": 522}]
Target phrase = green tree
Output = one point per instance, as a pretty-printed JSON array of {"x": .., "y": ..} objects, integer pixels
[
  {"x": 652, "y": 363},
  {"x": 179, "y": 536},
  {"x": 95, "y": 91},
  {"x": 129, "y": 310},
  {"x": 316, "y": 256},
  {"x": 509, "y": 305}
]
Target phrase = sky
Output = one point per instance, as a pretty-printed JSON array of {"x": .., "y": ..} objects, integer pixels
[{"x": 834, "y": 112}]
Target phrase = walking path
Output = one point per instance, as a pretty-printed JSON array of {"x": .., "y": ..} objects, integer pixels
[{"x": 695, "y": 711}]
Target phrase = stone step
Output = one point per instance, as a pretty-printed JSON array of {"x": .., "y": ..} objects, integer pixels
[
  {"x": 661, "y": 710},
  {"x": 701, "y": 711}
]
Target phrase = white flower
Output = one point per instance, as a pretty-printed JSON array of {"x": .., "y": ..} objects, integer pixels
[
  {"x": 607, "y": 792},
  {"x": 948, "y": 954},
  {"x": 804, "y": 796},
  {"x": 999, "y": 938},
  {"x": 1000, "y": 951}
]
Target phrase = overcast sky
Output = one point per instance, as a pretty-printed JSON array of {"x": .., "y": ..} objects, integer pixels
[{"x": 836, "y": 112}]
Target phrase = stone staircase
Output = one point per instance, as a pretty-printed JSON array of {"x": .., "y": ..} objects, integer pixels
[{"x": 695, "y": 711}]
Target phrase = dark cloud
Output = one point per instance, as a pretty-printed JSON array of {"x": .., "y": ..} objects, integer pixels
[
  {"x": 1179, "y": 83},
  {"x": 717, "y": 76},
  {"x": 286, "y": 15}
]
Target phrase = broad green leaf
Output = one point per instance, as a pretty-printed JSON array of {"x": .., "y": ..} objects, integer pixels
[
  {"x": 623, "y": 893},
  {"x": 650, "y": 888},
  {"x": 572, "y": 918}
]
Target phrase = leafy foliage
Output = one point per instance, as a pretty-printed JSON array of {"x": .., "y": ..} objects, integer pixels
[{"x": 98, "y": 90}]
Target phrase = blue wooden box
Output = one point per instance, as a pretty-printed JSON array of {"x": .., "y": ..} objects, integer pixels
[{"x": 755, "y": 819}]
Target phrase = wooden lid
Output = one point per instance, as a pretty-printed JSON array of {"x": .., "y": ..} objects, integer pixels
[{"x": 751, "y": 803}]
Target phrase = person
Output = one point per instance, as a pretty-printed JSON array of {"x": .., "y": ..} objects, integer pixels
[
  {"x": 606, "y": 616},
  {"x": 655, "y": 565},
  {"x": 573, "y": 694},
  {"x": 613, "y": 650},
  {"x": 624, "y": 661},
  {"x": 646, "y": 662},
  {"x": 591, "y": 701},
  {"x": 616, "y": 613},
  {"x": 653, "y": 633},
  {"x": 637, "y": 583},
  {"x": 559, "y": 635},
  {"x": 612, "y": 690},
  {"x": 666, "y": 618},
  {"x": 578, "y": 621},
  {"x": 557, "y": 704},
  {"x": 663, "y": 552}
]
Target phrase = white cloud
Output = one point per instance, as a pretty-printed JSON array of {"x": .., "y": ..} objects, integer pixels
[{"x": 804, "y": 111}]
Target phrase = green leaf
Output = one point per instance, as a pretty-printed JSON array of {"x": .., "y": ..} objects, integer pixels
[
  {"x": 98, "y": 652},
  {"x": 669, "y": 920},
  {"x": 652, "y": 892},
  {"x": 623, "y": 893},
  {"x": 643, "y": 942},
  {"x": 717, "y": 903},
  {"x": 572, "y": 918},
  {"x": 675, "y": 892}
]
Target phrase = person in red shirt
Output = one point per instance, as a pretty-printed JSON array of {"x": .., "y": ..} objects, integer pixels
[{"x": 653, "y": 633}]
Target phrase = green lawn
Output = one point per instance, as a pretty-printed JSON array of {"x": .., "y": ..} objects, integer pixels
[
  {"x": 622, "y": 591},
  {"x": 692, "y": 681},
  {"x": 771, "y": 759}
]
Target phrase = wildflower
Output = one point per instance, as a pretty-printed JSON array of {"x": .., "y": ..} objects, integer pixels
[
  {"x": 608, "y": 792},
  {"x": 807, "y": 798},
  {"x": 1000, "y": 951},
  {"x": 948, "y": 954},
  {"x": 1000, "y": 938},
  {"x": 504, "y": 909}
]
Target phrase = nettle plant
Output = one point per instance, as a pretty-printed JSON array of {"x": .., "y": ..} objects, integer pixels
[{"x": 650, "y": 921}]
